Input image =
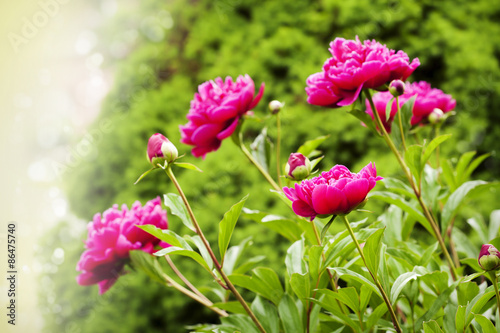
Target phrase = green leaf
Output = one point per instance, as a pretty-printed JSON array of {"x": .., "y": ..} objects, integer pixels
[
  {"x": 267, "y": 314},
  {"x": 234, "y": 254},
  {"x": 413, "y": 158},
  {"x": 314, "y": 162},
  {"x": 326, "y": 227},
  {"x": 289, "y": 315},
  {"x": 449, "y": 175},
  {"x": 433, "y": 145},
  {"x": 188, "y": 166},
  {"x": 167, "y": 236},
  {"x": 398, "y": 186},
  {"x": 285, "y": 227},
  {"x": 398, "y": 201},
  {"x": 442, "y": 299},
  {"x": 462, "y": 164},
  {"x": 400, "y": 283},
  {"x": 347, "y": 274},
  {"x": 376, "y": 315},
  {"x": 261, "y": 149},
  {"x": 293, "y": 260},
  {"x": 365, "y": 118},
  {"x": 144, "y": 175},
  {"x": 371, "y": 251},
  {"x": 177, "y": 207},
  {"x": 226, "y": 226},
  {"x": 473, "y": 166},
  {"x": 485, "y": 323},
  {"x": 364, "y": 297},
  {"x": 460, "y": 318},
  {"x": 242, "y": 323},
  {"x": 232, "y": 306},
  {"x": 186, "y": 253},
  {"x": 203, "y": 250},
  {"x": 466, "y": 292},
  {"x": 432, "y": 327},
  {"x": 148, "y": 264},
  {"x": 264, "y": 282},
  {"x": 455, "y": 200},
  {"x": 477, "y": 304},
  {"x": 328, "y": 301},
  {"x": 301, "y": 285},
  {"x": 310, "y": 146},
  {"x": 315, "y": 261}
]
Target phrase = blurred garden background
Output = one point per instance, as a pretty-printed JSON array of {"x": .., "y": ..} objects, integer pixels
[{"x": 143, "y": 62}]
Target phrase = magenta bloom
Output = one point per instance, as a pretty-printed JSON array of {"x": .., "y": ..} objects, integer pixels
[
  {"x": 426, "y": 101},
  {"x": 334, "y": 192},
  {"x": 216, "y": 110},
  {"x": 112, "y": 236},
  {"x": 354, "y": 66}
]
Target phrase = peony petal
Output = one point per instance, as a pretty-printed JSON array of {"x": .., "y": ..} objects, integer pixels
[
  {"x": 229, "y": 130},
  {"x": 206, "y": 134},
  {"x": 350, "y": 97},
  {"x": 303, "y": 209},
  {"x": 355, "y": 192},
  {"x": 257, "y": 98}
]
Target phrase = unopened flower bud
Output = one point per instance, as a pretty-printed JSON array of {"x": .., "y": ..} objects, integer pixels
[
  {"x": 298, "y": 166},
  {"x": 275, "y": 106},
  {"x": 435, "y": 116},
  {"x": 489, "y": 257},
  {"x": 397, "y": 88},
  {"x": 160, "y": 149}
]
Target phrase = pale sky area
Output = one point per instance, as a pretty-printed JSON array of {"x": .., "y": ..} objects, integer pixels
[{"x": 51, "y": 87}]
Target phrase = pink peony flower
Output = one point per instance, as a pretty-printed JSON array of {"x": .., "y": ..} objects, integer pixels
[
  {"x": 216, "y": 110},
  {"x": 112, "y": 236},
  {"x": 354, "y": 66},
  {"x": 334, "y": 192},
  {"x": 427, "y": 100}
]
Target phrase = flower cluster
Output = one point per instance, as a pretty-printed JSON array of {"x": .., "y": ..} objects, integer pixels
[
  {"x": 334, "y": 192},
  {"x": 354, "y": 66},
  {"x": 427, "y": 100},
  {"x": 216, "y": 110},
  {"x": 112, "y": 236}
]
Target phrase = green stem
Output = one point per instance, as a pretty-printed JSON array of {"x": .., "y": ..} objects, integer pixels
[
  {"x": 183, "y": 278},
  {"x": 416, "y": 189},
  {"x": 494, "y": 279},
  {"x": 379, "y": 286},
  {"x": 171, "y": 282},
  {"x": 217, "y": 265},
  {"x": 333, "y": 283},
  {"x": 259, "y": 167},
  {"x": 401, "y": 124},
  {"x": 278, "y": 149}
]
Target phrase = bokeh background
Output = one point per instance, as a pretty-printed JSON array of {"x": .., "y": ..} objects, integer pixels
[{"x": 85, "y": 83}]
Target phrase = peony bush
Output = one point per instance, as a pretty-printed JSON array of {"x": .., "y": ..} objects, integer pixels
[{"x": 374, "y": 275}]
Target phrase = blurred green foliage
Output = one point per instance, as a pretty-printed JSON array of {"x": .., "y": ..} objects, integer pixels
[{"x": 169, "y": 48}]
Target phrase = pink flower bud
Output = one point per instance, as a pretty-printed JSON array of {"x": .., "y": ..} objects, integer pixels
[
  {"x": 435, "y": 116},
  {"x": 397, "y": 88},
  {"x": 489, "y": 257},
  {"x": 160, "y": 149},
  {"x": 275, "y": 106},
  {"x": 298, "y": 167}
]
